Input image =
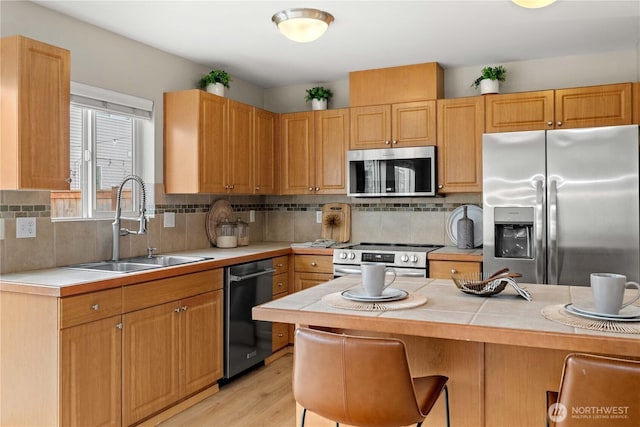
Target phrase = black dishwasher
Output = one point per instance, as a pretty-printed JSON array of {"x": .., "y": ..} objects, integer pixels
[{"x": 247, "y": 342}]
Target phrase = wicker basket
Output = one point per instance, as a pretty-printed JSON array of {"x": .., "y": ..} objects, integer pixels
[{"x": 472, "y": 283}]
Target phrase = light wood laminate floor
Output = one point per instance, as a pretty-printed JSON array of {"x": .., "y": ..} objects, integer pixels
[{"x": 261, "y": 398}]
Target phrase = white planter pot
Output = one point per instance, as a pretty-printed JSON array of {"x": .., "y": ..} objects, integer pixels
[
  {"x": 489, "y": 86},
  {"x": 216, "y": 89},
  {"x": 318, "y": 104}
]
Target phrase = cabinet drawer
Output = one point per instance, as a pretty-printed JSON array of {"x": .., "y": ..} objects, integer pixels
[
  {"x": 444, "y": 269},
  {"x": 279, "y": 335},
  {"x": 314, "y": 263},
  {"x": 89, "y": 307},
  {"x": 280, "y": 283},
  {"x": 136, "y": 297},
  {"x": 281, "y": 264}
]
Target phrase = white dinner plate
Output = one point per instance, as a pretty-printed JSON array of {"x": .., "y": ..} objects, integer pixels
[
  {"x": 473, "y": 212},
  {"x": 571, "y": 309},
  {"x": 389, "y": 294},
  {"x": 628, "y": 312}
]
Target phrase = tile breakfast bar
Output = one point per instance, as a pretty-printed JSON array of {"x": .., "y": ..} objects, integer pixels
[{"x": 500, "y": 353}]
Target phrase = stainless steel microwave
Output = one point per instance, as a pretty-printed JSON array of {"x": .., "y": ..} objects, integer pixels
[{"x": 392, "y": 172}]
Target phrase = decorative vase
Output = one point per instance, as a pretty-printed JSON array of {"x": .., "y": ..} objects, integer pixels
[
  {"x": 216, "y": 89},
  {"x": 318, "y": 104},
  {"x": 465, "y": 231},
  {"x": 489, "y": 86}
]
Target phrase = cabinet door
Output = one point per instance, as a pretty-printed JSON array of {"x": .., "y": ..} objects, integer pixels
[
  {"x": 150, "y": 361},
  {"x": 212, "y": 163},
  {"x": 460, "y": 129},
  {"x": 605, "y": 105},
  {"x": 331, "y": 142},
  {"x": 636, "y": 103},
  {"x": 413, "y": 124},
  {"x": 519, "y": 111},
  {"x": 297, "y": 170},
  {"x": 35, "y": 122},
  {"x": 264, "y": 153},
  {"x": 239, "y": 148},
  {"x": 307, "y": 280},
  {"x": 91, "y": 362},
  {"x": 370, "y": 127},
  {"x": 201, "y": 341}
]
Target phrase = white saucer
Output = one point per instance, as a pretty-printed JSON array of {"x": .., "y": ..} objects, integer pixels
[
  {"x": 628, "y": 312},
  {"x": 389, "y": 294},
  {"x": 571, "y": 309}
]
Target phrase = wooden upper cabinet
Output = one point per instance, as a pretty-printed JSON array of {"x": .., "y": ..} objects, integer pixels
[
  {"x": 459, "y": 150},
  {"x": 195, "y": 130},
  {"x": 519, "y": 111},
  {"x": 34, "y": 147},
  {"x": 406, "y": 83},
  {"x": 297, "y": 153},
  {"x": 238, "y": 149},
  {"x": 331, "y": 142},
  {"x": 604, "y": 105},
  {"x": 264, "y": 152},
  {"x": 409, "y": 124}
]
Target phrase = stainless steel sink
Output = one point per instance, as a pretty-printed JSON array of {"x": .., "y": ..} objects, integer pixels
[
  {"x": 130, "y": 265},
  {"x": 166, "y": 260}
]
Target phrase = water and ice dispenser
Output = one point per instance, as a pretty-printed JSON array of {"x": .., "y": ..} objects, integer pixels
[{"x": 514, "y": 232}]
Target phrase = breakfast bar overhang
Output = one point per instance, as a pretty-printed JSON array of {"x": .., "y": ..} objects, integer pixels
[{"x": 500, "y": 353}]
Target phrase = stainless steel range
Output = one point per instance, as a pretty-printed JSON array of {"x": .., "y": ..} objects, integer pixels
[{"x": 408, "y": 260}]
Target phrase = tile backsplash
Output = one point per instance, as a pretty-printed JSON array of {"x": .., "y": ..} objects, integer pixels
[{"x": 277, "y": 218}]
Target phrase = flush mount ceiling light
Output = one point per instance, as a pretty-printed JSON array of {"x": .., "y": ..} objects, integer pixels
[
  {"x": 533, "y": 4},
  {"x": 302, "y": 25}
]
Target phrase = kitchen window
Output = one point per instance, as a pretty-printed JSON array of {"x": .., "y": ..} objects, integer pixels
[{"x": 107, "y": 135}]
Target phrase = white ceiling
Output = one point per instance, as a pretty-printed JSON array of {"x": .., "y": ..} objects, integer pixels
[{"x": 239, "y": 36}]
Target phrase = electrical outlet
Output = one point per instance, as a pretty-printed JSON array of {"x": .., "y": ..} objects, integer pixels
[
  {"x": 252, "y": 216},
  {"x": 25, "y": 227},
  {"x": 1, "y": 228},
  {"x": 319, "y": 217},
  {"x": 169, "y": 219}
]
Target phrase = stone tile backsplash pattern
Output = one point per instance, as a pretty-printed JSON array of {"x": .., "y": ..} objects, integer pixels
[{"x": 278, "y": 218}]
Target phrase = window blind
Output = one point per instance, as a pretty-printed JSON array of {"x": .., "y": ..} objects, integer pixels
[{"x": 111, "y": 101}]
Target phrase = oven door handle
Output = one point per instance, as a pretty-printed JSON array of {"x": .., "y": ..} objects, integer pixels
[
  {"x": 343, "y": 270},
  {"x": 235, "y": 278},
  {"x": 407, "y": 274},
  {"x": 357, "y": 270}
]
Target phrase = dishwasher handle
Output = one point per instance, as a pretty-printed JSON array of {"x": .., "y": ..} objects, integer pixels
[{"x": 235, "y": 278}]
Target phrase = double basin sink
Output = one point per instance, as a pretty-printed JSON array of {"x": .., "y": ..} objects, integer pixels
[{"x": 130, "y": 265}]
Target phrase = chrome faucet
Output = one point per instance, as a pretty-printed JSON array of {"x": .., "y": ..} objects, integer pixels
[{"x": 142, "y": 219}]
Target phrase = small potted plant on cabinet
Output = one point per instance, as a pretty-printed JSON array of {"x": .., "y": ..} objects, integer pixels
[
  {"x": 215, "y": 82},
  {"x": 489, "y": 80},
  {"x": 318, "y": 96}
]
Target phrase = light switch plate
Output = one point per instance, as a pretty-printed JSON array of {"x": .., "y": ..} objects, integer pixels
[
  {"x": 252, "y": 216},
  {"x": 319, "y": 217},
  {"x": 169, "y": 219},
  {"x": 1, "y": 228},
  {"x": 25, "y": 227}
]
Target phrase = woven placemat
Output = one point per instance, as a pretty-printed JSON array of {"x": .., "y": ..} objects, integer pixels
[
  {"x": 557, "y": 313},
  {"x": 338, "y": 301}
]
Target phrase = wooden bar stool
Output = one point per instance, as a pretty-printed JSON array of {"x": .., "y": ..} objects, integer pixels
[
  {"x": 596, "y": 391},
  {"x": 361, "y": 381}
]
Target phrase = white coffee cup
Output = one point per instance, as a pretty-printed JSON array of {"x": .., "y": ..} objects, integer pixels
[
  {"x": 608, "y": 292},
  {"x": 373, "y": 278}
]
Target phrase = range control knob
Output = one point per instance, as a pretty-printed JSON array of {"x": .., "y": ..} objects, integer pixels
[
  {"x": 352, "y": 255},
  {"x": 404, "y": 258},
  {"x": 343, "y": 255},
  {"x": 414, "y": 259}
]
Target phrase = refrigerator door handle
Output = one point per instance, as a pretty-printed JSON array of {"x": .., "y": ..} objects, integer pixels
[
  {"x": 553, "y": 232},
  {"x": 539, "y": 228}
]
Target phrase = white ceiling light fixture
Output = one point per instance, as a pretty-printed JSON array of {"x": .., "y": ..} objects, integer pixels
[
  {"x": 533, "y": 4},
  {"x": 302, "y": 25}
]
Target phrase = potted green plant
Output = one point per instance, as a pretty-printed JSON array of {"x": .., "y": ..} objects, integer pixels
[
  {"x": 490, "y": 78},
  {"x": 215, "y": 82},
  {"x": 318, "y": 96}
]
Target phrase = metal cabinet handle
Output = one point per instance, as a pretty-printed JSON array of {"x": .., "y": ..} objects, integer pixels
[
  {"x": 184, "y": 308},
  {"x": 257, "y": 188},
  {"x": 394, "y": 142},
  {"x": 310, "y": 188},
  {"x": 454, "y": 271},
  {"x": 559, "y": 124},
  {"x": 549, "y": 123},
  {"x": 440, "y": 186},
  {"x": 317, "y": 188},
  {"x": 280, "y": 264},
  {"x": 177, "y": 309},
  {"x": 387, "y": 142},
  {"x": 68, "y": 180},
  {"x": 280, "y": 284},
  {"x": 280, "y": 335},
  {"x": 119, "y": 325},
  {"x": 313, "y": 264},
  {"x": 95, "y": 307}
]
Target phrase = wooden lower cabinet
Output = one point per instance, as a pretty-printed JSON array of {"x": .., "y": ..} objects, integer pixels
[
  {"x": 91, "y": 360},
  {"x": 311, "y": 270},
  {"x": 169, "y": 352}
]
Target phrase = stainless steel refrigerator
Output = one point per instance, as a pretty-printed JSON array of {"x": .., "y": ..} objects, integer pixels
[{"x": 561, "y": 204}]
